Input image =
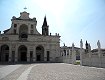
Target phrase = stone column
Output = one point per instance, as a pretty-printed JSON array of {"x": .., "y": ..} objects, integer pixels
[
  {"x": 63, "y": 56},
  {"x": 0, "y": 52},
  {"x": 16, "y": 54},
  {"x": 28, "y": 55},
  {"x": 90, "y": 54},
  {"x": 73, "y": 55},
  {"x": 99, "y": 52},
  {"x": 81, "y": 56},
  {"x": 34, "y": 54},
  {"x": 99, "y": 48},
  {"x": 81, "y": 51},
  {"x": 10, "y": 53},
  {"x": 90, "y": 58},
  {"x": 67, "y": 53},
  {"x": 45, "y": 55}
]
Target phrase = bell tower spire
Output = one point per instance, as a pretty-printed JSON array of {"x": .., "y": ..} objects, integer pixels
[{"x": 45, "y": 27}]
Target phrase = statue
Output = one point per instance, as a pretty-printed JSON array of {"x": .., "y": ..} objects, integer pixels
[
  {"x": 72, "y": 46},
  {"x": 64, "y": 44},
  {"x": 50, "y": 34},
  {"x": 89, "y": 47},
  {"x": 81, "y": 44},
  {"x": 98, "y": 44}
]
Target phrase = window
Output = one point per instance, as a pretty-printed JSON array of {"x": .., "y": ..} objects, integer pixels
[
  {"x": 7, "y": 48},
  {"x": 65, "y": 52},
  {"x": 45, "y": 29},
  {"x": 38, "y": 48},
  {"x": 23, "y": 35},
  {"x": 15, "y": 25},
  {"x": 48, "y": 55},
  {"x": 31, "y": 54},
  {"x": 13, "y": 52},
  {"x": 31, "y": 26},
  {"x": 32, "y": 31},
  {"x": 14, "y": 31}
]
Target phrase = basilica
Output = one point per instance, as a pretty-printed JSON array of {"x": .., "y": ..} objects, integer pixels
[{"x": 23, "y": 43}]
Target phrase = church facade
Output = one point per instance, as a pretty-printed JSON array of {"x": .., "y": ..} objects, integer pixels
[{"x": 23, "y": 43}]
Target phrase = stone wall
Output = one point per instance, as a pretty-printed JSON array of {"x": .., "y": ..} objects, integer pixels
[
  {"x": 93, "y": 59},
  {"x": 68, "y": 54}
]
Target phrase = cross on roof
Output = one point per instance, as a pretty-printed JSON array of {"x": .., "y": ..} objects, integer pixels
[{"x": 25, "y": 8}]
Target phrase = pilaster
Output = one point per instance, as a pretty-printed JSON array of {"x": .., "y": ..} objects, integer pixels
[
  {"x": 28, "y": 55},
  {"x": 45, "y": 55},
  {"x": 29, "y": 28},
  {"x": 34, "y": 54},
  {"x": 18, "y": 26},
  {"x": 10, "y": 53},
  {"x": 16, "y": 54},
  {"x": 81, "y": 55}
]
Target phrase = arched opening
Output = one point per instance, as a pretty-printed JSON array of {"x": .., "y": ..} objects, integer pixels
[
  {"x": 23, "y": 32},
  {"x": 39, "y": 53},
  {"x": 4, "y": 53},
  {"x": 22, "y": 53}
]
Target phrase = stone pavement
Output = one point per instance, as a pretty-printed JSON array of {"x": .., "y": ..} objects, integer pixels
[
  {"x": 4, "y": 71},
  {"x": 51, "y": 71}
]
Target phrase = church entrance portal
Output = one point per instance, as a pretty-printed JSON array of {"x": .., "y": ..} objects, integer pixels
[
  {"x": 38, "y": 57},
  {"x": 4, "y": 55},
  {"x": 39, "y": 53},
  {"x": 22, "y": 53}
]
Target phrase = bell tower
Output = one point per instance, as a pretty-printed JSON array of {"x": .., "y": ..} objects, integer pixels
[{"x": 45, "y": 27}]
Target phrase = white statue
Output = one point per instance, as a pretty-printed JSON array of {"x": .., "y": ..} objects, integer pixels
[
  {"x": 89, "y": 47},
  {"x": 98, "y": 44},
  {"x": 72, "y": 46},
  {"x": 81, "y": 44},
  {"x": 64, "y": 44}
]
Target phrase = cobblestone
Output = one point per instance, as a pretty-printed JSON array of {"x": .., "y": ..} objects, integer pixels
[
  {"x": 65, "y": 72},
  {"x": 6, "y": 70},
  {"x": 2, "y": 66},
  {"x": 57, "y": 71},
  {"x": 15, "y": 74}
]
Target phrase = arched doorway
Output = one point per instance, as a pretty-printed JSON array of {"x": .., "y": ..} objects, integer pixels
[
  {"x": 39, "y": 53},
  {"x": 22, "y": 53},
  {"x": 4, "y": 53}
]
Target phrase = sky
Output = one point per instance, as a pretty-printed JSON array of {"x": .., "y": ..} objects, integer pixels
[{"x": 72, "y": 19}]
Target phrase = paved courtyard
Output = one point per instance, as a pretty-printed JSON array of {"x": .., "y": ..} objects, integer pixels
[{"x": 50, "y": 71}]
